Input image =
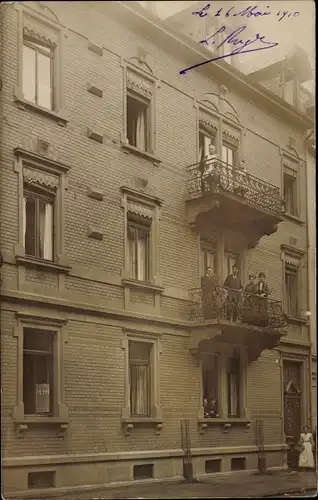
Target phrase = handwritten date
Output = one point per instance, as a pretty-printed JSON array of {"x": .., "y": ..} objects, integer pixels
[{"x": 250, "y": 11}]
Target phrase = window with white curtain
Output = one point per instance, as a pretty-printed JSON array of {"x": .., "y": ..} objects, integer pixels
[
  {"x": 140, "y": 378},
  {"x": 233, "y": 387},
  {"x": 138, "y": 126},
  {"x": 138, "y": 247},
  {"x": 37, "y": 73},
  {"x": 38, "y": 223},
  {"x": 291, "y": 290},
  {"x": 228, "y": 155},
  {"x": 290, "y": 194},
  {"x": 204, "y": 141},
  {"x": 37, "y": 371}
]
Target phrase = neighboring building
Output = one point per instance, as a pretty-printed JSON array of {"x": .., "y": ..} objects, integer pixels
[
  {"x": 105, "y": 234},
  {"x": 311, "y": 204}
]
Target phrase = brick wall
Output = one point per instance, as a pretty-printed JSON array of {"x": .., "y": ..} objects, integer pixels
[{"x": 94, "y": 383}]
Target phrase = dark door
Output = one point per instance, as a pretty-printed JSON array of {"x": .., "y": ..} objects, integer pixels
[{"x": 292, "y": 410}]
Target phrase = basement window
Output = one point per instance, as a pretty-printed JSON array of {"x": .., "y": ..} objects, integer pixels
[
  {"x": 212, "y": 466},
  {"x": 41, "y": 479},
  {"x": 238, "y": 463},
  {"x": 144, "y": 471}
]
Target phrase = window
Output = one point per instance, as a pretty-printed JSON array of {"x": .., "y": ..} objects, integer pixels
[
  {"x": 40, "y": 382},
  {"x": 210, "y": 375},
  {"x": 41, "y": 182},
  {"x": 233, "y": 387},
  {"x": 207, "y": 259},
  {"x": 290, "y": 194},
  {"x": 143, "y": 471},
  {"x": 138, "y": 122},
  {"x": 138, "y": 247},
  {"x": 37, "y": 73},
  {"x": 204, "y": 141},
  {"x": 38, "y": 218},
  {"x": 139, "y": 374},
  {"x": 41, "y": 479},
  {"x": 228, "y": 155},
  {"x": 291, "y": 290},
  {"x": 230, "y": 260},
  {"x": 37, "y": 371}
]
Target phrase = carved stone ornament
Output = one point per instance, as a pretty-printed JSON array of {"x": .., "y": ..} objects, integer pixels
[
  {"x": 288, "y": 168},
  {"x": 34, "y": 35},
  {"x": 292, "y": 261},
  {"x": 139, "y": 85},
  {"x": 32, "y": 176},
  {"x": 231, "y": 139},
  {"x": 209, "y": 125},
  {"x": 138, "y": 209}
]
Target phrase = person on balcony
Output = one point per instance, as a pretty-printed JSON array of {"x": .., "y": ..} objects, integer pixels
[
  {"x": 249, "y": 301},
  {"x": 262, "y": 292},
  {"x": 208, "y": 170},
  {"x": 234, "y": 288},
  {"x": 208, "y": 287}
]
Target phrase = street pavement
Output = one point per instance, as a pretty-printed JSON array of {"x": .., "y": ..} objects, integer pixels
[{"x": 225, "y": 486}]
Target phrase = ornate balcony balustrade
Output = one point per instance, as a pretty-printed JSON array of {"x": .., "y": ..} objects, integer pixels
[
  {"x": 219, "y": 303},
  {"x": 214, "y": 176}
]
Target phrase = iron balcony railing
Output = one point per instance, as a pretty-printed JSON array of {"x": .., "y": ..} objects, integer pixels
[
  {"x": 220, "y": 303},
  {"x": 215, "y": 176}
]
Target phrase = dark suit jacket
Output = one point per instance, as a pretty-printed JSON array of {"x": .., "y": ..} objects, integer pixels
[
  {"x": 234, "y": 283},
  {"x": 208, "y": 288},
  {"x": 265, "y": 289}
]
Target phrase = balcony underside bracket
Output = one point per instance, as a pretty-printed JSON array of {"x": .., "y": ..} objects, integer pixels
[{"x": 200, "y": 334}]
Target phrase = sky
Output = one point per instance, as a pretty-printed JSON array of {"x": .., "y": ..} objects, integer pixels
[{"x": 298, "y": 30}]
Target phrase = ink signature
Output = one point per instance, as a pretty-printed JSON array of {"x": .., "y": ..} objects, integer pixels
[
  {"x": 233, "y": 39},
  {"x": 250, "y": 11}
]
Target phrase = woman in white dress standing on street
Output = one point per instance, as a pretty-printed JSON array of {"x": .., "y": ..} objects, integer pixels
[{"x": 306, "y": 457}]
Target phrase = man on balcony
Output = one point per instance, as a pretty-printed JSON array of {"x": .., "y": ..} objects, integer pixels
[
  {"x": 234, "y": 288},
  {"x": 208, "y": 294}
]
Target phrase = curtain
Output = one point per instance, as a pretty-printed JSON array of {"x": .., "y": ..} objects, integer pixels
[
  {"x": 142, "y": 255},
  {"x": 28, "y": 73},
  {"x": 44, "y": 84},
  {"x": 139, "y": 389},
  {"x": 141, "y": 131},
  {"x": 233, "y": 390},
  {"x": 24, "y": 221},
  {"x": 207, "y": 142},
  {"x": 46, "y": 231},
  {"x": 132, "y": 251},
  {"x": 42, "y": 392},
  {"x": 291, "y": 293}
]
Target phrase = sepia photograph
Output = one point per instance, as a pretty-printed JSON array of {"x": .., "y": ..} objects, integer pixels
[{"x": 158, "y": 250}]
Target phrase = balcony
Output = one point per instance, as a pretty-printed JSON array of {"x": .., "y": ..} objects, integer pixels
[
  {"x": 252, "y": 321},
  {"x": 232, "y": 198}
]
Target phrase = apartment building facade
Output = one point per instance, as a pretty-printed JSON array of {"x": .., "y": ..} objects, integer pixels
[{"x": 105, "y": 234}]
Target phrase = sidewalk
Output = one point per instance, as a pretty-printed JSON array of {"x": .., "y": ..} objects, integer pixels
[{"x": 239, "y": 486}]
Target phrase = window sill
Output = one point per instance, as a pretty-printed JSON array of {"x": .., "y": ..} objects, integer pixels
[
  {"x": 139, "y": 152},
  {"x": 224, "y": 423},
  {"x": 129, "y": 423},
  {"x": 23, "y": 424},
  {"x": 141, "y": 284},
  {"x": 45, "y": 264},
  {"x": 293, "y": 218},
  {"x": 24, "y": 104}
]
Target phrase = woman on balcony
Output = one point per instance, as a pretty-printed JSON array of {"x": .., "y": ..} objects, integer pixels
[
  {"x": 262, "y": 292},
  {"x": 249, "y": 302},
  {"x": 207, "y": 169}
]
